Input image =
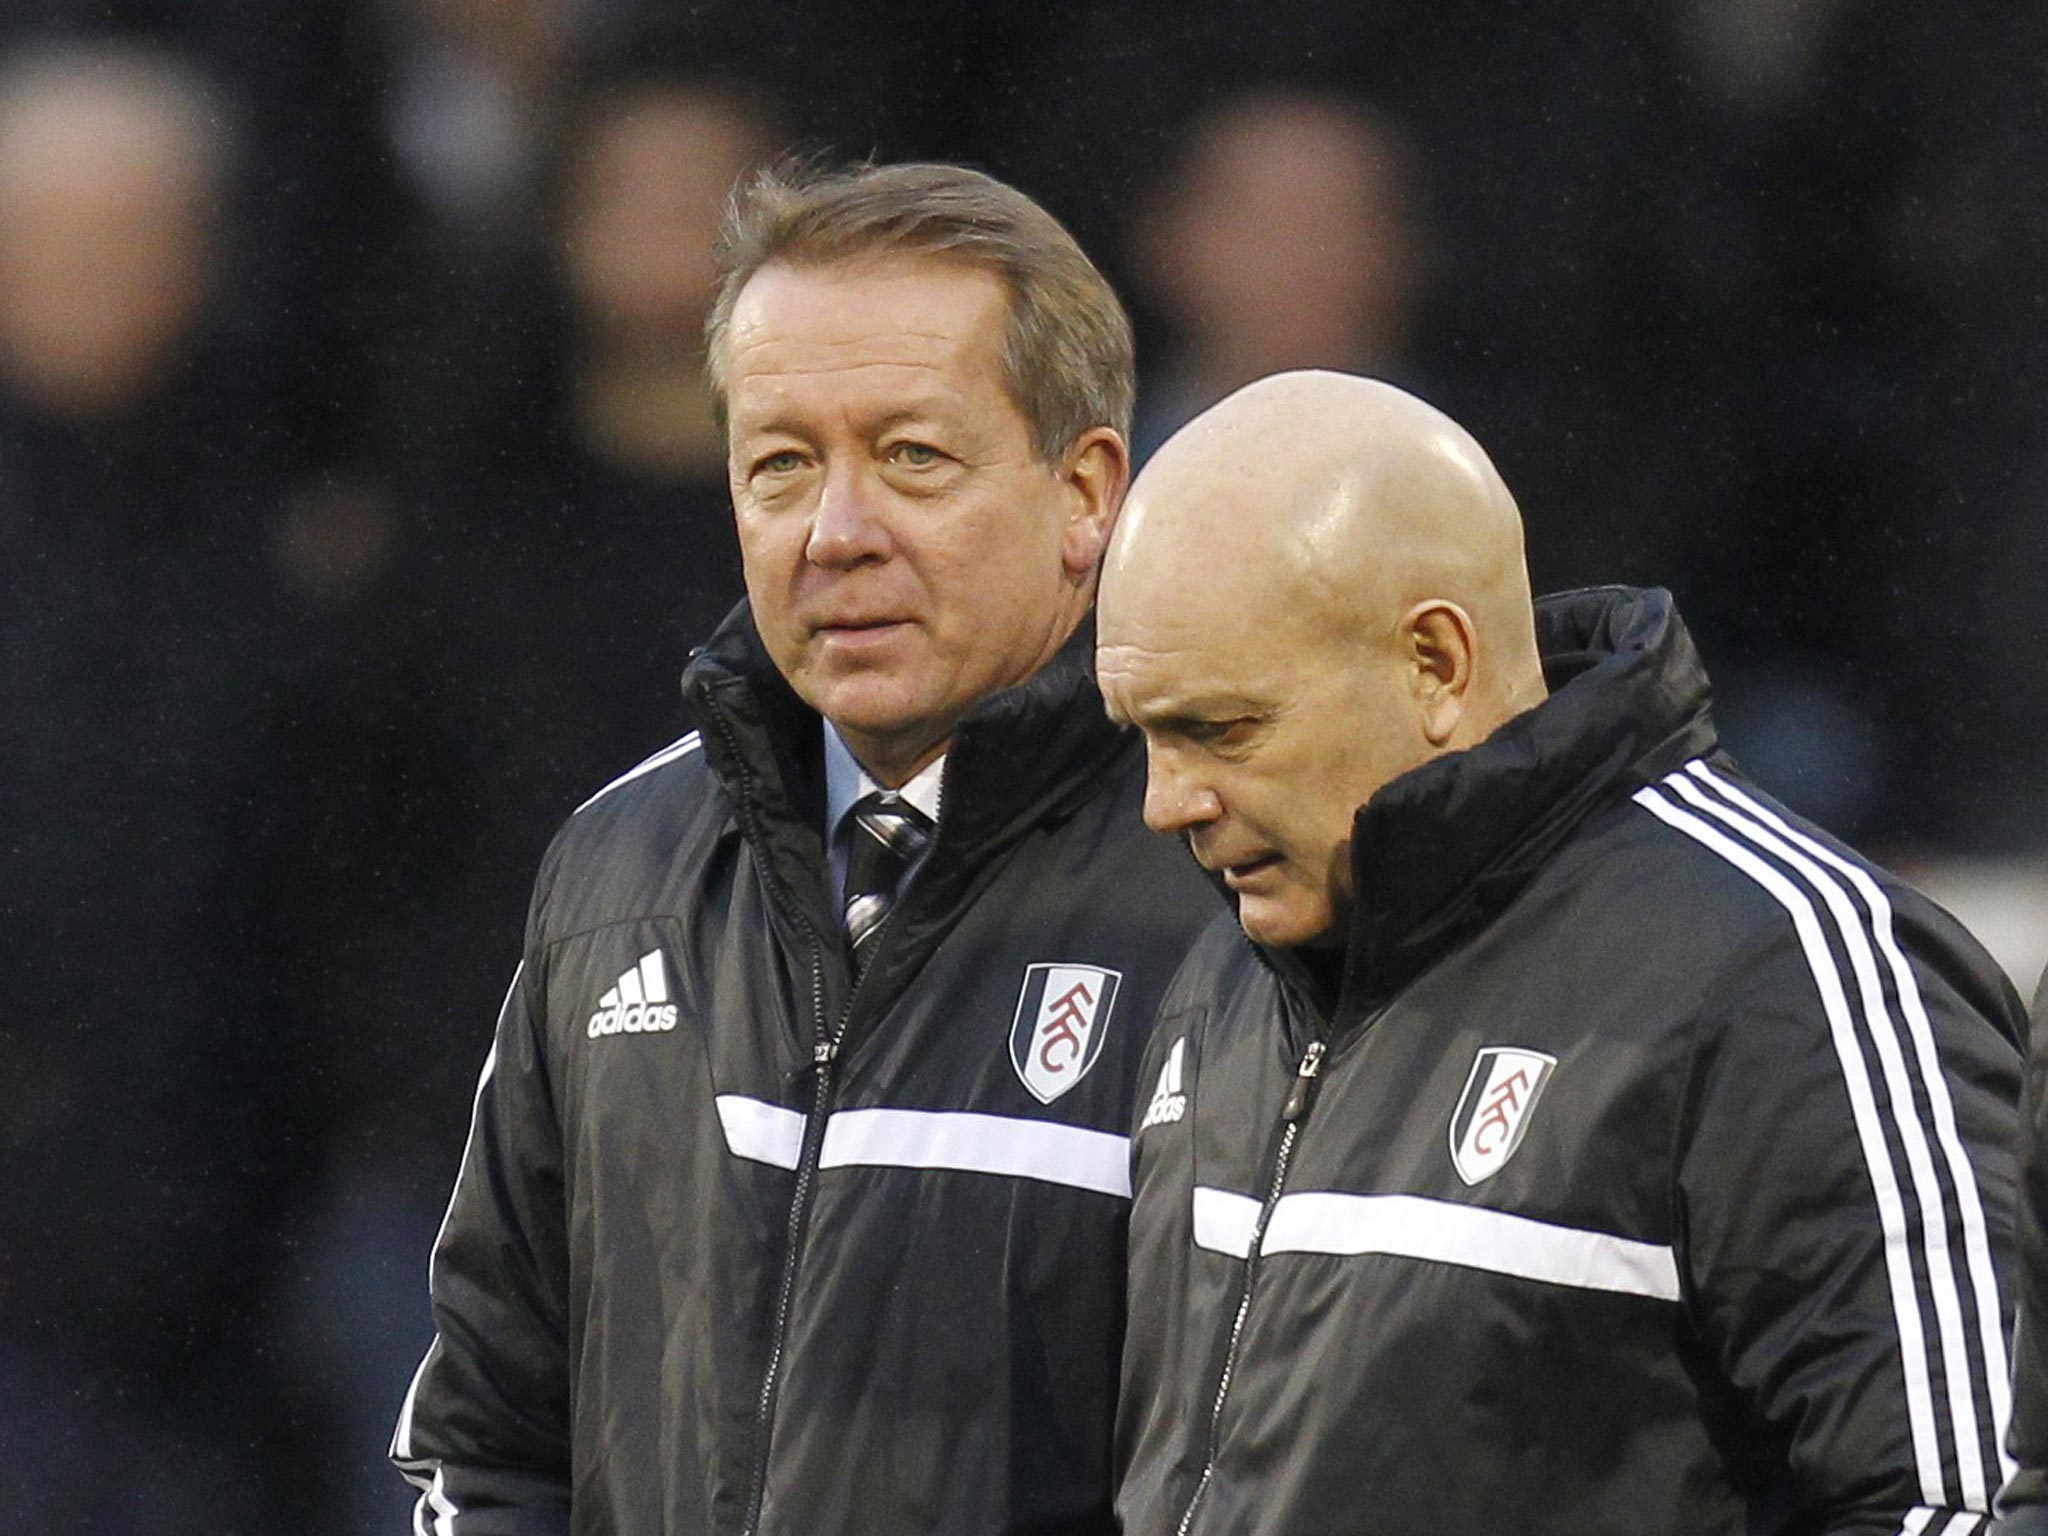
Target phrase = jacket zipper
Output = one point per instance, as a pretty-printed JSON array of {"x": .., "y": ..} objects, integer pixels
[
  {"x": 1300, "y": 1096},
  {"x": 824, "y": 1056},
  {"x": 823, "y": 1053}
]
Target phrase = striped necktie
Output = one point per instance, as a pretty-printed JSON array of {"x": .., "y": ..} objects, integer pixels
[{"x": 884, "y": 838}]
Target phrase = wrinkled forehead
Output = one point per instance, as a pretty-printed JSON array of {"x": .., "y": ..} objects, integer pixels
[
  {"x": 883, "y": 327},
  {"x": 1186, "y": 637},
  {"x": 861, "y": 297}
]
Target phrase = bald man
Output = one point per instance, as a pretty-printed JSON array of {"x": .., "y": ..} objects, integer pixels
[{"x": 1582, "y": 1142}]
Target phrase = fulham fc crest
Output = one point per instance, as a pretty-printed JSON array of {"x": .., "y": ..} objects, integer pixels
[
  {"x": 1062, "y": 1015},
  {"x": 1494, "y": 1111}
]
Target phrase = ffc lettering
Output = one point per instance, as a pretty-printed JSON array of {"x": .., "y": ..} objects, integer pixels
[
  {"x": 1063, "y": 1027},
  {"x": 1062, "y": 1015},
  {"x": 1495, "y": 1117}
]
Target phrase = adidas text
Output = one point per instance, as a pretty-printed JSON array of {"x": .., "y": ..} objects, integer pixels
[
  {"x": 638, "y": 1003},
  {"x": 633, "y": 1019},
  {"x": 1169, "y": 1103},
  {"x": 1167, "y": 1111}
]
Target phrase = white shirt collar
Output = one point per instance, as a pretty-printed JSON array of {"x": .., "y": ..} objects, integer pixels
[{"x": 846, "y": 781}]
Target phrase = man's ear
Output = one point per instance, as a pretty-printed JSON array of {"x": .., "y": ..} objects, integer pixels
[
  {"x": 1442, "y": 649},
  {"x": 1096, "y": 472}
]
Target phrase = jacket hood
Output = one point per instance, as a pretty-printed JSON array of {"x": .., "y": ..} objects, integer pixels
[{"x": 1439, "y": 851}]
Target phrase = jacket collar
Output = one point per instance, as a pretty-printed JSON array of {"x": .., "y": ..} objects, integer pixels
[
  {"x": 1018, "y": 758},
  {"x": 1442, "y": 850}
]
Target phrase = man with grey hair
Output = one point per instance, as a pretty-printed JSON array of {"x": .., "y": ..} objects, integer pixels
[
  {"x": 795, "y": 1193},
  {"x": 1582, "y": 1142}
]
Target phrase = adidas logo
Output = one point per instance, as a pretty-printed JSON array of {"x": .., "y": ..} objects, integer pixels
[
  {"x": 639, "y": 1004},
  {"x": 1168, "y": 1104}
]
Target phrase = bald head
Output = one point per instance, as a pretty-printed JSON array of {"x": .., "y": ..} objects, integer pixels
[
  {"x": 1314, "y": 587},
  {"x": 1336, "y": 500}
]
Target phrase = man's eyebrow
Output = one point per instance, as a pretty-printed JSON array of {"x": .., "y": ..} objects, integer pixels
[
  {"x": 936, "y": 402},
  {"x": 1201, "y": 709},
  {"x": 928, "y": 412},
  {"x": 762, "y": 426}
]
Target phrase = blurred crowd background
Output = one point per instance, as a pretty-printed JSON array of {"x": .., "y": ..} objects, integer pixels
[{"x": 359, "y": 506}]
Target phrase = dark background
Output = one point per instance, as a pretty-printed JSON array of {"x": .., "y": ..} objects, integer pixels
[{"x": 358, "y": 510}]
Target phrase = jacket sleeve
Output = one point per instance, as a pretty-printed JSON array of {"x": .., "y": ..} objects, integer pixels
[
  {"x": 1845, "y": 1208},
  {"x": 484, "y": 1431},
  {"x": 2024, "y": 1503}
]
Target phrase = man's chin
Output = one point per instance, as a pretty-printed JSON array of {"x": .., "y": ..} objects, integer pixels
[
  {"x": 871, "y": 713},
  {"x": 858, "y": 694},
  {"x": 1281, "y": 924}
]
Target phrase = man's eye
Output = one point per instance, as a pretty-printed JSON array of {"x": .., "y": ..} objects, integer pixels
[
  {"x": 1213, "y": 732},
  {"x": 916, "y": 455},
  {"x": 788, "y": 461}
]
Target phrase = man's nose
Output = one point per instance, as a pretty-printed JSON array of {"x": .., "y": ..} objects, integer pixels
[
  {"x": 847, "y": 527},
  {"x": 1174, "y": 800}
]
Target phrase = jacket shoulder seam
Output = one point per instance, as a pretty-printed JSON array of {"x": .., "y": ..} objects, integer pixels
[{"x": 675, "y": 751}]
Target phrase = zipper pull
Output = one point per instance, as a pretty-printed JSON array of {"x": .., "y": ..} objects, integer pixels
[
  {"x": 824, "y": 1053},
  {"x": 1304, "y": 1080}
]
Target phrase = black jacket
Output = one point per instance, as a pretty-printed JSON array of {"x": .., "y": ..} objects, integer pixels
[
  {"x": 2024, "y": 1504},
  {"x": 738, "y": 1245},
  {"x": 1645, "y": 1173}
]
